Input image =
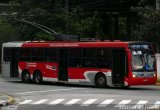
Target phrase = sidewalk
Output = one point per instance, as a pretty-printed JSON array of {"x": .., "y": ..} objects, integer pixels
[
  {"x": 8, "y": 79},
  {"x": 6, "y": 99}
]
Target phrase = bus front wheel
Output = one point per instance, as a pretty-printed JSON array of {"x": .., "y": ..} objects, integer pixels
[
  {"x": 25, "y": 77},
  {"x": 100, "y": 81},
  {"x": 37, "y": 77}
]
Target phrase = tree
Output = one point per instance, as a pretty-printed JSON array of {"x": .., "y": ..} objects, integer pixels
[
  {"x": 148, "y": 25},
  {"x": 75, "y": 22},
  {"x": 86, "y": 18}
]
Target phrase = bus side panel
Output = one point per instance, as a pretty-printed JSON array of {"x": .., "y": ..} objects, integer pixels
[
  {"x": 85, "y": 75},
  {"x": 21, "y": 67},
  {"x": 49, "y": 70}
]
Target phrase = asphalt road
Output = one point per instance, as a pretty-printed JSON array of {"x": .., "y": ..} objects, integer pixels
[{"x": 49, "y": 96}]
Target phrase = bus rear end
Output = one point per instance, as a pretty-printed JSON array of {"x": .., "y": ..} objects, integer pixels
[{"x": 142, "y": 65}]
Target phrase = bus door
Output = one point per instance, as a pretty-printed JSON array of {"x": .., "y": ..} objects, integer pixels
[
  {"x": 14, "y": 62},
  {"x": 118, "y": 66},
  {"x": 63, "y": 65}
]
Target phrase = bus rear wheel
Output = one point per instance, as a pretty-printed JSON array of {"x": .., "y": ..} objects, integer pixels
[
  {"x": 25, "y": 77},
  {"x": 37, "y": 77},
  {"x": 100, "y": 81}
]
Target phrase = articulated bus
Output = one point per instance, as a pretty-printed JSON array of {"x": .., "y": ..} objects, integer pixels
[{"x": 98, "y": 63}]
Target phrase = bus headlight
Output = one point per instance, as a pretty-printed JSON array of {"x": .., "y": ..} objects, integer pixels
[
  {"x": 134, "y": 76},
  {"x": 154, "y": 75}
]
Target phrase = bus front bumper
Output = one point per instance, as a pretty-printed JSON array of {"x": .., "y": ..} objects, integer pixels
[{"x": 141, "y": 81}]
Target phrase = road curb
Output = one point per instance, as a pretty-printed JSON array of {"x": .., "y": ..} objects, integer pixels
[{"x": 8, "y": 99}]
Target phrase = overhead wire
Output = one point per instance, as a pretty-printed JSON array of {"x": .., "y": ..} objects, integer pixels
[
  {"x": 88, "y": 4},
  {"x": 92, "y": 5}
]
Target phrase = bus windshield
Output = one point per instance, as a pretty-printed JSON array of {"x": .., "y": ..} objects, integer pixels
[{"x": 143, "y": 61}]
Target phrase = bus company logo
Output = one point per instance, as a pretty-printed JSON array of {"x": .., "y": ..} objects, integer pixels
[
  {"x": 84, "y": 82},
  {"x": 32, "y": 64},
  {"x": 51, "y": 67}
]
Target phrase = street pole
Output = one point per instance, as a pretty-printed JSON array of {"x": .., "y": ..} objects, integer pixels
[
  {"x": 66, "y": 6},
  {"x": 157, "y": 4}
]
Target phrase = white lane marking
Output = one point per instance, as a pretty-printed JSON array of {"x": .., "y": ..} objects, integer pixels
[
  {"x": 156, "y": 105},
  {"x": 56, "y": 101},
  {"x": 40, "y": 101},
  {"x": 25, "y": 102},
  {"x": 140, "y": 104},
  {"x": 123, "y": 102},
  {"x": 88, "y": 102},
  {"x": 49, "y": 91},
  {"x": 73, "y": 101},
  {"x": 106, "y": 102}
]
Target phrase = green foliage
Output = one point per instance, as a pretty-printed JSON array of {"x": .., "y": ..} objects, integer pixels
[
  {"x": 82, "y": 25},
  {"x": 148, "y": 25},
  {"x": 7, "y": 33},
  {"x": 76, "y": 22},
  {"x": 52, "y": 13},
  {"x": 43, "y": 36}
]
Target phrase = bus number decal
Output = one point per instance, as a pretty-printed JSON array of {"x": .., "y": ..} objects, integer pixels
[{"x": 32, "y": 64}]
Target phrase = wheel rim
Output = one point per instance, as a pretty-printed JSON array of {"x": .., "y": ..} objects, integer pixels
[
  {"x": 26, "y": 77},
  {"x": 38, "y": 78},
  {"x": 101, "y": 80}
]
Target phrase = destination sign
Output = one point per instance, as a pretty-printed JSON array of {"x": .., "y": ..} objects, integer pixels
[{"x": 137, "y": 47}]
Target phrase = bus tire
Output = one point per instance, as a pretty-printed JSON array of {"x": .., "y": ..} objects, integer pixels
[
  {"x": 37, "y": 77},
  {"x": 26, "y": 77},
  {"x": 100, "y": 81}
]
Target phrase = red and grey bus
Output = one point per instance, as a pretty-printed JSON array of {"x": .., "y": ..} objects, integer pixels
[{"x": 98, "y": 63}]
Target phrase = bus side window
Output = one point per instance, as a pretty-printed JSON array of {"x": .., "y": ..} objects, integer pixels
[
  {"x": 50, "y": 54},
  {"x": 75, "y": 57},
  {"x": 89, "y": 56},
  {"x": 75, "y": 62},
  {"x": 37, "y": 54},
  {"x": 89, "y": 62},
  {"x": 7, "y": 54},
  {"x": 102, "y": 63},
  {"x": 25, "y": 54},
  {"x": 103, "y": 58}
]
